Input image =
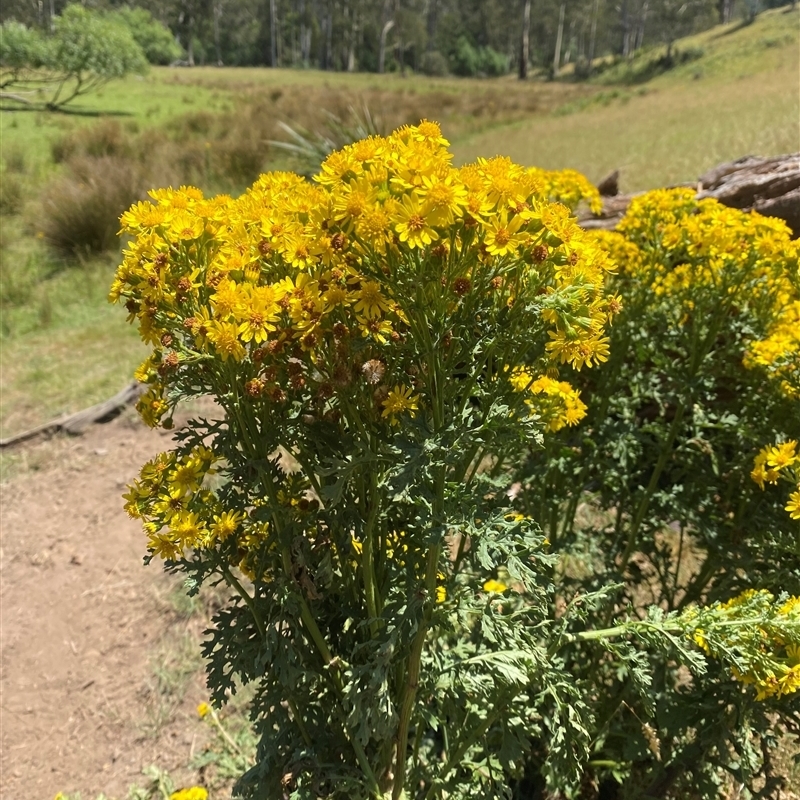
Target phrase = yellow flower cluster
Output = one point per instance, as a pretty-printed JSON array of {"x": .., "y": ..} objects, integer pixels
[
  {"x": 702, "y": 253},
  {"x": 780, "y": 461},
  {"x": 306, "y": 293},
  {"x": 762, "y": 631},
  {"x": 691, "y": 245},
  {"x": 555, "y": 402},
  {"x": 779, "y": 352},
  {"x": 284, "y": 265},
  {"x": 178, "y": 513}
]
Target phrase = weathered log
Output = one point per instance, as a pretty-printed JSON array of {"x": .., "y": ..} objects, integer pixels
[
  {"x": 78, "y": 422},
  {"x": 767, "y": 185},
  {"x": 770, "y": 186},
  {"x": 609, "y": 186}
]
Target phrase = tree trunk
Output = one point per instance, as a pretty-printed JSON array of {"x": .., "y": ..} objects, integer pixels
[
  {"x": 592, "y": 35},
  {"x": 640, "y": 31},
  {"x": 190, "y": 40},
  {"x": 559, "y": 37},
  {"x": 432, "y": 24},
  {"x": 525, "y": 49},
  {"x": 217, "y": 13},
  {"x": 329, "y": 41},
  {"x": 727, "y": 10},
  {"x": 351, "y": 50},
  {"x": 303, "y": 28},
  {"x": 382, "y": 50},
  {"x": 570, "y": 39},
  {"x": 273, "y": 33},
  {"x": 626, "y": 30}
]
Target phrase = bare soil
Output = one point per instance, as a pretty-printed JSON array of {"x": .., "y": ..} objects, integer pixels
[{"x": 88, "y": 699}]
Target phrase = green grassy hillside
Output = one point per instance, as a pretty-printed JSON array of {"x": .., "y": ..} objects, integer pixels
[{"x": 741, "y": 96}]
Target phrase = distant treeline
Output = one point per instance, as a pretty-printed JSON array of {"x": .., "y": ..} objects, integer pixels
[{"x": 436, "y": 37}]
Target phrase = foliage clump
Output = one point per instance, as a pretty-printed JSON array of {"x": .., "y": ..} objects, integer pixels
[
  {"x": 385, "y": 347},
  {"x": 86, "y": 51},
  {"x": 677, "y": 485}
]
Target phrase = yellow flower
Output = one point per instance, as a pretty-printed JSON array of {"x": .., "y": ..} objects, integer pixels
[
  {"x": 793, "y": 506},
  {"x": 142, "y": 216},
  {"x": 186, "y": 226},
  {"x": 700, "y": 640},
  {"x": 371, "y": 303},
  {"x": 502, "y": 235},
  {"x": 188, "y": 528},
  {"x": 258, "y": 312},
  {"x": 225, "y": 338},
  {"x": 165, "y": 545},
  {"x": 226, "y": 524},
  {"x": 203, "y": 709},
  {"x": 184, "y": 479},
  {"x": 782, "y": 455},
  {"x": 412, "y": 225},
  {"x": 399, "y": 400},
  {"x": 443, "y": 198},
  {"x": 193, "y": 793},
  {"x": 494, "y": 587}
]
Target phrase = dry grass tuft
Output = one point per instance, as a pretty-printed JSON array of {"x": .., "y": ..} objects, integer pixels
[{"x": 82, "y": 208}]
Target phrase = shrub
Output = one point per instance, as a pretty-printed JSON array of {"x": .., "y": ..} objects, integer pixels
[
  {"x": 106, "y": 138},
  {"x": 385, "y": 346},
  {"x": 81, "y": 209},
  {"x": 86, "y": 51},
  {"x": 12, "y": 193},
  {"x": 155, "y": 39},
  {"x": 470, "y": 61},
  {"x": 21, "y": 49},
  {"x": 654, "y": 490},
  {"x": 434, "y": 63}
]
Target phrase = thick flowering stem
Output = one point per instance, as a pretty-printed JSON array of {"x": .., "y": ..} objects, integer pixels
[
  {"x": 318, "y": 639},
  {"x": 413, "y": 668},
  {"x": 413, "y": 674},
  {"x": 368, "y": 560}
]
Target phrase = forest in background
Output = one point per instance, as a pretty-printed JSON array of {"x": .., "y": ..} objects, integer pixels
[{"x": 433, "y": 37}]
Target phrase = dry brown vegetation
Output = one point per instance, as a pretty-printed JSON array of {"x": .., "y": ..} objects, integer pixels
[{"x": 108, "y": 166}]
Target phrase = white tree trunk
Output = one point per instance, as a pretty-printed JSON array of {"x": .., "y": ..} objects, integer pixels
[{"x": 559, "y": 37}]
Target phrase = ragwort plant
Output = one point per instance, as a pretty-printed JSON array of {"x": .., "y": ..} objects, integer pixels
[
  {"x": 671, "y": 488},
  {"x": 383, "y": 345}
]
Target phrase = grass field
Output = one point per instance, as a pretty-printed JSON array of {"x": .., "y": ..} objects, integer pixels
[
  {"x": 62, "y": 347},
  {"x": 741, "y": 96}
]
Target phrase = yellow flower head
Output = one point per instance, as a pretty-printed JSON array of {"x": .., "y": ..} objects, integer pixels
[{"x": 398, "y": 401}]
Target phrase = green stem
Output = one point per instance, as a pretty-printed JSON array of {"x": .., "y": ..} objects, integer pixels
[
  {"x": 249, "y": 601},
  {"x": 644, "y": 503},
  {"x": 455, "y": 758},
  {"x": 318, "y": 639},
  {"x": 368, "y": 560},
  {"x": 413, "y": 673},
  {"x": 299, "y": 720}
]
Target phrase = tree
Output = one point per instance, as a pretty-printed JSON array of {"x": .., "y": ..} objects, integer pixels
[
  {"x": 22, "y": 51},
  {"x": 86, "y": 51},
  {"x": 155, "y": 38}
]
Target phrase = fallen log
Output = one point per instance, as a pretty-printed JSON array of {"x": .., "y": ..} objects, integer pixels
[
  {"x": 78, "y": 422},
  {"x": 770, "y": 186}
]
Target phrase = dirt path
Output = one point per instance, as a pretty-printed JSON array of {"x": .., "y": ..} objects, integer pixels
[{"x": 82, "y": 626}]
